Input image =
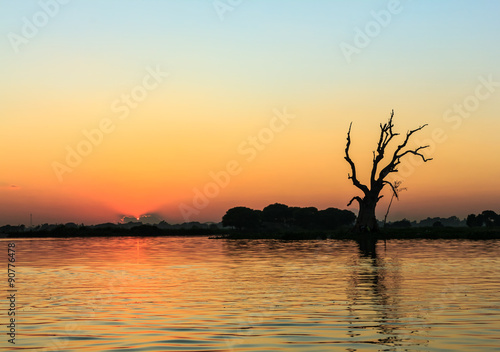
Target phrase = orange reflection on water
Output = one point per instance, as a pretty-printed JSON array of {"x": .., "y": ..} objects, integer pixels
[{"x": 160, "y": 294}]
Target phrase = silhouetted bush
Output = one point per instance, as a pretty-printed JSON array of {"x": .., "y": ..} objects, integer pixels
[
  {"x": 452, "y": 221},
  {"x": 400, "y": 224},
  {"x": 304, "y": 217},
  {"x": 241, "y": 218},
  {"x": 333, "y": 218},
  {"x": 490, "y": 218},
  {"x": 277, "y": 213},
  {"x": 475, "y": 221},
  {"x": 487, "y": 217},
  {"x": 280, "y": 216}
]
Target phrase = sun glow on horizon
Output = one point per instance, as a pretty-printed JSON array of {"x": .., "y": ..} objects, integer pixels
[{"x": 132, "y": 109}]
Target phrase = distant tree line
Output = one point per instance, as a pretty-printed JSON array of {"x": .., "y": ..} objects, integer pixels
[
  {"x": 122, "y": 229},
  {"x": 486, "y": 218},
  {"x": 452, "y": 221},
  {"x": 280, "y": 216}
]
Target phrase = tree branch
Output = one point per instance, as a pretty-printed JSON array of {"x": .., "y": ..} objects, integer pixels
[
  {"x": 355, "y": 198},
  {"x": 353, "y": 177},
  {"x": 416, "y": 152},
  {"x": 394, "y": 190},
  {"x": 386, "y": 135},
  {"x": 408, "y": 135},
  {"x": 398, "y": 154}
]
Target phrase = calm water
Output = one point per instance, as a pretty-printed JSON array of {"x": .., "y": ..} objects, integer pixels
[{"x": 197, "y": 294}]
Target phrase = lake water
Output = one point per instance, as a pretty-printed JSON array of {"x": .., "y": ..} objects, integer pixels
[{"x": 199, "y": 294}]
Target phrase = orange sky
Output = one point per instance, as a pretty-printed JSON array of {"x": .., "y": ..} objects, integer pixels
[{"x": 108, "y": 114}]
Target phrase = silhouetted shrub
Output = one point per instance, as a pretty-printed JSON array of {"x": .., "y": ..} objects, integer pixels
[
  {"x": 280, "y": 216},
  {"x": 475, "y": 221},
  {"x": 241, "y": 218},
  {"x": 277, "y": 213},
  {"x": 401, "y": 223},
  {"x": 304, "y": 217},
  {"x": 332, "y": 218},
  {"x": 490, "y": 217}
]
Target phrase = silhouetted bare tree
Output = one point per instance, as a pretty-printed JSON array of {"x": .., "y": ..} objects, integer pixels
[{"x": 366, "y": 220}]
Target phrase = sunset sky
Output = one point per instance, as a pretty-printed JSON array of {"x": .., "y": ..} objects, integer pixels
[{"x": 184, "y": 109}]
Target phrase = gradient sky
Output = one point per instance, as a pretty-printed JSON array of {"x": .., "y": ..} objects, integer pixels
[{"x": 66, "y": 68}]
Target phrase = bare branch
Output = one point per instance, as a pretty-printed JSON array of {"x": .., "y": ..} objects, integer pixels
[
  {"x": 386, "y": 135},
  {"x": 355, "y": 198},
  {"x": 408, "y": 135},
  {"x": 398, "y": 154},
  {"x": 394, "y": 188},
  {"x": 353, "y": 177},
  {"x": 416, "y": 152}
]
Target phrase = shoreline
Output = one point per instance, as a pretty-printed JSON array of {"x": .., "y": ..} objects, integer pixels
[
  {"x": 485, "y": 233},
  {"x": 471, "y": 233}
]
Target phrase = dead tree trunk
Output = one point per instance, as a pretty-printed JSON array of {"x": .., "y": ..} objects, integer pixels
[{"x": 366, "y": 220}]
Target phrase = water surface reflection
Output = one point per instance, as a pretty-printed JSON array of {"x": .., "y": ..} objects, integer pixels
[{"x": 196, "y": 294}]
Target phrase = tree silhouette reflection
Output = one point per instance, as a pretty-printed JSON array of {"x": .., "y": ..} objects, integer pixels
[{"x": 372, "y": 297}]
